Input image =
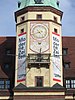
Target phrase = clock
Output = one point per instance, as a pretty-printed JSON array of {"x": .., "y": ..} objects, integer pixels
[
  {"x": 39, "y": 31},
  {"x": 39, "y": 37}
]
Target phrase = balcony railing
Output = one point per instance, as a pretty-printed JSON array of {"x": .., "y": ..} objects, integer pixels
[{"x": 38, "y": 59}]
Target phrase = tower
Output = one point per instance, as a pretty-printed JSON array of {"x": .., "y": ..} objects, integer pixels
[{"x": 38, "y": 49}]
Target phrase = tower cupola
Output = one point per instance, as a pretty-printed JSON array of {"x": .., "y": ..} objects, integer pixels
[{"x": 26, "y": 3}]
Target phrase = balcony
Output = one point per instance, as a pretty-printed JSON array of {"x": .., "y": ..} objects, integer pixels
[{"x": 38, "y": 60}]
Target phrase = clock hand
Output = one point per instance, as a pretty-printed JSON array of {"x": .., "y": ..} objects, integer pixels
[{"x": 39, "y": 31}]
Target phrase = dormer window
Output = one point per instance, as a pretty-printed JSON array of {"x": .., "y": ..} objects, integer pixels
[
  {"x": 38, "y": 1},
  {"x": 57, "y": 3},
  {"x": 67, "y": 65},
  {"x": 19, "y": 4},
  {"x": 65, "y": 51},
  {"x": 8, "y": 51}
]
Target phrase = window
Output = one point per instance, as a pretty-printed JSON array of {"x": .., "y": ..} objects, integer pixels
[
  {"x": 8, "y": 51},
  {"x": 22, "y": 30},
  {"x": 55, "y": 19},
  {"x": 39, "y": 16},
  {"x": 39, "y": 81},
  {"x": 38, "y": 1},
  {"x": 6, "y": 66},
  {"x": 4, "y": 84},
  {"x": 66, "y": 64},
  {"x": 55, "y": 30},
  {"x": 19, "y": 4},
  {"x": 22, "y": 18},
  {"x": 7, "y": 84},
  {"x": 57, "y": 3},
  {"x": 1, "y": 84},
  {"x": 70, "y": 83},
  {"x": 65, "y": 51},
  {"x": 67, "y": 83}
]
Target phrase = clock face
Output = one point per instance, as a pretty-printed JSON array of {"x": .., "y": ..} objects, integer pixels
[
  {"x": 39, "y": 37},
  {"x": 39, "y": 31}
]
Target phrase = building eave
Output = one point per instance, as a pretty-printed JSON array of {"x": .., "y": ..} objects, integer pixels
[{"x": 38, "y": 9}]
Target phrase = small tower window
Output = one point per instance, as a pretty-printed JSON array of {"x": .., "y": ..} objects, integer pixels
[
  {"x": 22, "y": 30},
  {"x": 22, "y": 18},
  {"x": 55, "y": 19},
  {"x": 55, "y": 30},
  {"x": 39, "y": 16},
  {"x": 39, "y": 81}
]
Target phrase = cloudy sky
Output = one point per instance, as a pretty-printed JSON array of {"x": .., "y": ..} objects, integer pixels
[
  {"x": 7, "y": 21},
  {"x": 68, "y": 20}
]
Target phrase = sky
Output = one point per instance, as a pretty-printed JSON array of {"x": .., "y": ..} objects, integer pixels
[{"x": 7, "y": 19}]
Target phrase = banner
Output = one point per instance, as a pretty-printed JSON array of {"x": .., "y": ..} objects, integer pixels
[
  {"x": 21, "y": 57},
  {"x": 56, "y": 62}
]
